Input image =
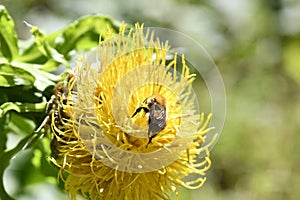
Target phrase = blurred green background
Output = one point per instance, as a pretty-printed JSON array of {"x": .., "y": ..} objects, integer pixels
[{"x": 256, "y": 46}]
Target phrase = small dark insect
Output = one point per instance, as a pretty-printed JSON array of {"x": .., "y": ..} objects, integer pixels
[
  {"x": 156, "y": 112},
  {"x": 54, "y": 107},
  {"x": 55, "y": 112}
]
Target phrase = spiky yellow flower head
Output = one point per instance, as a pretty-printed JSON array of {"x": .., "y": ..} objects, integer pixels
[{"x": 128, "y": 126}]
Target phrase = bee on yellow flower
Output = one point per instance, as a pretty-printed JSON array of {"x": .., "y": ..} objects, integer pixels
[
  {"x": 156, "y": 110},
  {"x": 130, "y": 128}
]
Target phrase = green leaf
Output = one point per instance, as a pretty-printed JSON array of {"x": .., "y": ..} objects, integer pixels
[
  {"x": 48, "y": 51},
  {"x": 82, "y": 34},
  {"x": 8, "y": 37},
  {"x": 42, "y": 79},
  {"x": 3, "y": 130},
  {"x": 4, "y": 108},
  {"x": 22, "y": 94},
  {"x": 22, "y": 107},
  {"x": 20, "y": 125},
  {"x": 11, "y": 76},
  {"x": 6, "y": 157}
]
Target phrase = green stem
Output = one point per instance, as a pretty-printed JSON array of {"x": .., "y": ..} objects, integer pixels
[{"x": 6, "y": 157}]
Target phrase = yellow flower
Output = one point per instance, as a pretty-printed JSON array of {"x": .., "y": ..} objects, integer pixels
[{"x": 103, "y": 151}]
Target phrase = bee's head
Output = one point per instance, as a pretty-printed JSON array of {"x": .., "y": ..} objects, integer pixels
[
  {"x": 150, "y": 101},
  {"x": 155, "y": 99}
]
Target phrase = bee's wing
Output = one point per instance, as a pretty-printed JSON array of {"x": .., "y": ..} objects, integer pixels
[{"x": 157, "y": 119}]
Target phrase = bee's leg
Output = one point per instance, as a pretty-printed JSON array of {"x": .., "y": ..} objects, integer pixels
[
  {"x": 150, "y": 139},
  {"x": 139, "y": 110},
  {"x": 151, "y": 135}
]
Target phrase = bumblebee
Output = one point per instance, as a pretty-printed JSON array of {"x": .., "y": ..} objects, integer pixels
[{"x": 156, "y": 113}]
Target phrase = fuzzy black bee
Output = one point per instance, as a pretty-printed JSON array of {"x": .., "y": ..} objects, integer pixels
[{"x": 156, "y": 112}]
